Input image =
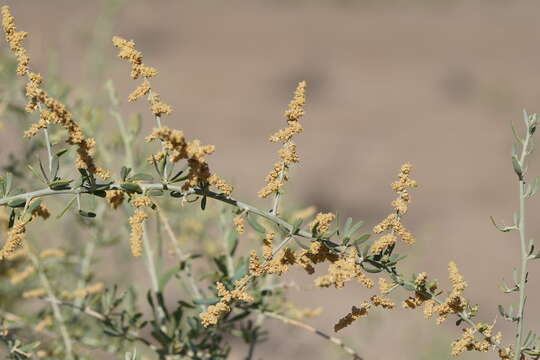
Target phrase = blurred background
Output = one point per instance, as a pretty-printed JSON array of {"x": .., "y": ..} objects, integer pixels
[{"x": 431, "y": 82}]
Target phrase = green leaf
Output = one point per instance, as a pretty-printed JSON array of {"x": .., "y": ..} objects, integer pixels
[
  {"x": 371, "y": 269},
  {"x": 43, "y": 172},
  {"x": 68, "y": 206},
  {"x": 155, "y": 192},
  {"x": 61, "y": 152},
  {"x": 296, "y": 226},
  {"x": 33, "y": 206},
  {"x": 55, "y": 167},
  {"x": 88, "y": 214},
  {"x": 15, "y": 203},
  {"x": 203, "y": 202},
  {"x": 362, "y": 239},
  {"x": 355, "y": 228},
  {"x": 232, "y": 242},
  {"x": 9, "y": 183},
  {"x": 100, "y": 193},
  {"x": 347, "y": 226},
  {"x": 220, "y": 263},
  {"x": 208, "y": 301},
  {"x": 36, "y": 174},
  {"x": 177, "y": 177},
  {"x": 60, "y": 184},
  {"x": 303, "y": 246},
  {"x": 517, "y": 167},
  {"x": 124, "y": 172},
  {"x": 532, "y": 188},
  {"x": 132, "y": 188},
  {"x": 409, "y": 286},
  {"x": 502, "y": 312},
  {"x": 186, "y": 304},
  {"x": 166, "y": 276},
  {"x": 255, "y": 225},
  {"x": 140, "y": 177}
]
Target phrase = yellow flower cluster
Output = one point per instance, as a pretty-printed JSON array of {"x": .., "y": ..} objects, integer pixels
[
  {"x": 421, "y": 296},
  {"x": 193, "y": 152},
  {"x": 115, "y": 198},
  {"x": 128, "y": 52},
  {"x": 344, "y": 270},
  {"x": 468, "y": 342},
  {"x": 392, "y": 222},
  {"x": 401, "y": 187},
  {"x": 43, "y": 324},
  {"x": 279, "y": 174},
  {"x": 18, "y": 277},
  {"x": 80, "y": 293},
  {"x": 238, "y": 223},
  {"x": 322, "y": 222},
  {"x": 213, "y": 313},
  {"x": 454, "y": 303},
  {"x": 53, "y": 111},
  {"x": 384, "y": 286},
  {"x": 47, "y": 253},
  {"x": 382, "y": 302},
  {"x": 140, "y": 201},
  {"x": 34, "y": 293},
  {"x": 220, "y": 184},
  {"x": 341, "y": 270},
  {"x": 174, "y": 144},
  {"x": 273, "y": 263},
  {"x": 14, "y": 39},
  {"x": 135, "y": 237},
  {"x": 15, "y": 237}
]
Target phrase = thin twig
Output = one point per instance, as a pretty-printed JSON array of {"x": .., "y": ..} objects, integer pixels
[
  {"x": 315, "y": 331},
  {"x": 180, "y": 254}
]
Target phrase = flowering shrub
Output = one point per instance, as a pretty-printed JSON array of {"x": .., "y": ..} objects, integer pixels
[{"x": 231, "y": 292}]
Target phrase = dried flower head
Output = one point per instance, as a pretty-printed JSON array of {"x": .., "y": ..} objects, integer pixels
[
  {"x": 213, "y": 313},
  {"x": 41, "y": 211},
  {"x": 356, "y": 313}
]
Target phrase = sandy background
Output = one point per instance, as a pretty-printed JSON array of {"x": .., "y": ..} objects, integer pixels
[{"x": 435, "y": 83}]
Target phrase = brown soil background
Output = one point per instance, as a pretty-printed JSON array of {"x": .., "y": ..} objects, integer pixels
[{"x": 435, "y": 83}]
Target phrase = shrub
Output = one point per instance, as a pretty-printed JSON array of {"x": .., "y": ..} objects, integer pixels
[{"x": 67, "y": 313}]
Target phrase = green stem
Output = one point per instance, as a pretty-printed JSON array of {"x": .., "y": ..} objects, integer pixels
[
  {"x": 523, "y": 273},
  {"x": 56, "y": 310},
  {"x": 523, "y": 245}
]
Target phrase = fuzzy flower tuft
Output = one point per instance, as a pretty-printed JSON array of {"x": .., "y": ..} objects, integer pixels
[
  {"x": 288, "y": 154},
  {"x": 135, "y": 238}
]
